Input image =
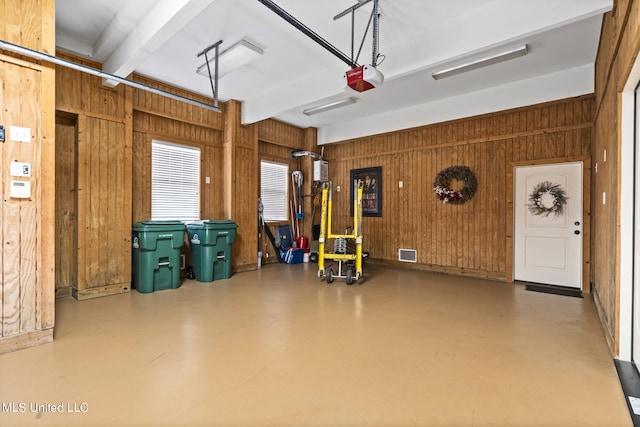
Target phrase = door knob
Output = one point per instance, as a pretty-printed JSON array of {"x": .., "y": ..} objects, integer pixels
[
  {"x": 576, "y": 232},
  {"x": 577, "y": 223}
]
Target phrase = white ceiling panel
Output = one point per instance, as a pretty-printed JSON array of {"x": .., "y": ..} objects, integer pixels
[{"x": 161, "y": 41}]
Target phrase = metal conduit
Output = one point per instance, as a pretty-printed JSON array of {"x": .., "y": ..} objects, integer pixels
[
  {"x": 78, "y": 67},
  {"x": 314, "y": 156}
]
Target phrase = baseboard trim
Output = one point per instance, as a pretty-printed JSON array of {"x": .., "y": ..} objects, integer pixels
[
  {"x": 30, "y": 339},
  {"x": 245, "y": 267},
  {"x": 454, "y": 271},
  {"x": 63, "y": 291},
  {"x": 101, "y": 291}
]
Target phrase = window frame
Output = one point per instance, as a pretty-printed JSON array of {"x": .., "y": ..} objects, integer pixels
[
  {"x": 268, "y": 211},
  {"x": 195, "y": 203}
]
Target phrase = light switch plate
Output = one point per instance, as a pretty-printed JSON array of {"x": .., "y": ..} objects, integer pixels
[
  {"x": 20, "y": 169},
  {"x": 17, "y": 133}
]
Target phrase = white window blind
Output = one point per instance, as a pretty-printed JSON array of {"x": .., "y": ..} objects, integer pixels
[
  {"x": 274, "y": 179},
  {"x": 175, "y": 182}
]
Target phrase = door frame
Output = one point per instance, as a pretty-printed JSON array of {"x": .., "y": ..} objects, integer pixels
[
  {"x": 65, "y": 290},
  {"x": 586, "y": 214},
  {"x": 626, "y": 214}
]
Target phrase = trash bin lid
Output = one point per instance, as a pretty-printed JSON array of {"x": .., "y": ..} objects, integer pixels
[
  {"x": 158, "y": 225},
  {"x": 194, "y": 225},
  {"x": 221, "y": 224}
]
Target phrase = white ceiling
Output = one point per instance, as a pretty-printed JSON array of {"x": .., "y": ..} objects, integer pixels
[{"x": 160, "y": 39}]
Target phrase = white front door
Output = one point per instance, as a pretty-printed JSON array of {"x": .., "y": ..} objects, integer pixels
[{"x": 548, "y": 224}]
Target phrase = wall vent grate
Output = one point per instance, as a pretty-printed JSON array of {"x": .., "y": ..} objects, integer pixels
[{"x": 407, "y": 255}]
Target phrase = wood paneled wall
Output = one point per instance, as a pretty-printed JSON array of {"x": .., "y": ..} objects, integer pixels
[
  {"x": 619, "y": 47},
  {"x": 101, "y": 171},
  {"x": 124, "y": 120},
  {"x": 104, "y": 202},
  {"x": 473, "y": 238},
  {"x": 165, "y": 119},
  {"x": 66, "y": 203},
  {"x": 175, "y": 110},
  {"x": 277, "y": 142},
  {"x": 148, "y": 127},
  {"x": 27, "y": 271},
  {"x": 228, "y": 159},
  {"x": 84, "y": 94},
  {"x": 282, "y": 134}
]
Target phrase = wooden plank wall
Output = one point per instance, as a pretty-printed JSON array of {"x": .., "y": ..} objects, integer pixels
[
  {"x": 241, "y": 172},
  {"x": 148, "y": 127},
  {"x": 281, "y": 134},
  {"x": 161, "y": 106},
  {"x": 619, "y": 47},
  {"x": 473, "y": 238},
  {"x": 159, "y": 118},
  {"x": 66, "y": 203},
  {"x": 126, "y": 120},
  {"x": 277, "y": 141},
  {"x": 26, "y": 224},
  {"x": 84, "y": 94},
  {"x": 107, "y": 208},
  {"x": 102, "y": 173}
]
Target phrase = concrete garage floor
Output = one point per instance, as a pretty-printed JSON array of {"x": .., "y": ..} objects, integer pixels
[{"x": 278, "y": 347}]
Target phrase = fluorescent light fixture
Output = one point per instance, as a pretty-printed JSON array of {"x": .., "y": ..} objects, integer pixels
[
  {"x": 237, "y": 55},
  {"x": 329, "y": 106},
  {"x": 479, "y": 63}
]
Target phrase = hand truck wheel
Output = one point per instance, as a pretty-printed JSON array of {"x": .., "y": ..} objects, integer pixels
[{"x": 349, "y": 278}]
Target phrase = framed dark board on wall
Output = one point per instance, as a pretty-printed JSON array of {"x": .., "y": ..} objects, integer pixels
[{"x": 371, "y": 192}]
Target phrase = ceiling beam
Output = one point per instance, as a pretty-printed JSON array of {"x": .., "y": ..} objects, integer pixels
[
  {"x": 73, "y": 45},
  {"x": 121, "y": 25},
  {"x": 161, "y": 24}
]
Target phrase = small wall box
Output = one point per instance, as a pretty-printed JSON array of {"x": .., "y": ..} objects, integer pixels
[
  {"x": 321, "y": 170},
  {"x": 20, "y": 189}
]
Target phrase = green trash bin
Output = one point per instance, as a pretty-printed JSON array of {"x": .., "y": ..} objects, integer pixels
[
  {"x": 156, "y": 255},
  {"x": 210, "y": 243}
]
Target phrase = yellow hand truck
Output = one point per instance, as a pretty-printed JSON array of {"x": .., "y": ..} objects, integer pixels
[{"x": 352, "y": 269}]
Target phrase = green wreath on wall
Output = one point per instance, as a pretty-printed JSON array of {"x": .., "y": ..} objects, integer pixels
[
  {"x": 547, "y": 198},
  {"x": 442, "y": 185}
]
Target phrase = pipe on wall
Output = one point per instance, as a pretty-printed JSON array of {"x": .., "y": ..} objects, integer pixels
[{"x": 83, "y": 68}]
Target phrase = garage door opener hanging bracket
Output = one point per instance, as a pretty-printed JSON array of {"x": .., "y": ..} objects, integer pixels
[{"x": 373, "y": 18}]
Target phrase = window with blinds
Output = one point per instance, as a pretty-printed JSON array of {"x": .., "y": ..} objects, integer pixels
[
  {"x": 274, "y": 178},
  {"x": 175, "y": 182}
]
